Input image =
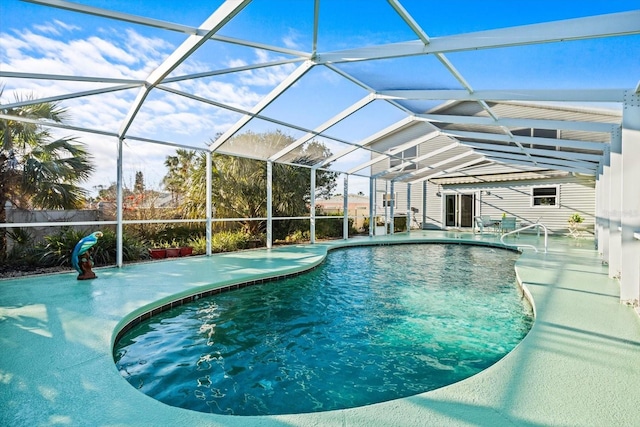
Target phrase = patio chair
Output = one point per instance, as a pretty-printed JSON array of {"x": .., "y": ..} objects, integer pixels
[
  {"x": 508, "y": 224},
  {"x": 484, "y": 221}
]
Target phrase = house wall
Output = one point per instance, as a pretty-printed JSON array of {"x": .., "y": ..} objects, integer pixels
[
  {"x": 401, "y": 201},
  {"x": 576, "y": 194}
]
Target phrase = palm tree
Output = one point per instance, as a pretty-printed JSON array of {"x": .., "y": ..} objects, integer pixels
[
  {"x": 239, "y": 184},
  {"x": 36, "y": 170}
]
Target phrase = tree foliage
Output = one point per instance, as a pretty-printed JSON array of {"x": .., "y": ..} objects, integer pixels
[
  {"x": 239, "y": 185},
  {"x": 36, "y": 170}
]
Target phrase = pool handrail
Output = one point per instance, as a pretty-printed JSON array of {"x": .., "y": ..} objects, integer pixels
[{"x": 537, "y": 224}]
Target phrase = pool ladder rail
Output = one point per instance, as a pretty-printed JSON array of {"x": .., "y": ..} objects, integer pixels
[{"x": 536, "y": 225}]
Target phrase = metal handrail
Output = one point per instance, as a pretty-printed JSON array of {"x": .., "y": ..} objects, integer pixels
[{"x": 546, "y": 239}]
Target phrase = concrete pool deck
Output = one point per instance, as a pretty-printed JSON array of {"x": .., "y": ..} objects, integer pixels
[{"x": 579, "y": 365}]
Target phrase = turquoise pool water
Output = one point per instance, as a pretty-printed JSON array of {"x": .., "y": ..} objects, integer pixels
[{"x": 370, "y": 324}]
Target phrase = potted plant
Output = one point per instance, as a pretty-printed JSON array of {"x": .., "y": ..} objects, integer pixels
[
  {"x": 185, "y": 249},
  {"x": 157, "y": 253},
  {"x": 575, "y": 219},
  {"x": 172, "y": 248}
]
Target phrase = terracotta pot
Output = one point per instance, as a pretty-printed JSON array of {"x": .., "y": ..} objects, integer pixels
[
  {"x": 186, "y": 250},
  {"x": 173, "y": 252},
  {"x": 158, "y": 253}
]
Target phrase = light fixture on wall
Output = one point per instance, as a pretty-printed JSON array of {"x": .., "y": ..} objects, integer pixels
[{"x": 485, "y": 192}]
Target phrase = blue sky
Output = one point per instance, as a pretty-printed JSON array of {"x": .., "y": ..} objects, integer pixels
[{"x": 41, "y": 39}]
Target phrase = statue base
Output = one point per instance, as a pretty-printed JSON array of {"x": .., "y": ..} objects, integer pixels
[{"x": 87, "y": 273}]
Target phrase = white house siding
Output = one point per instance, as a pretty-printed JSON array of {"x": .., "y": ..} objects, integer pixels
[{"x": 513, "y": 198}]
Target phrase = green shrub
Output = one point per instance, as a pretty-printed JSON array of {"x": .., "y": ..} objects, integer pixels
[
  {"x": 297, "y": 236},
  {"x": 59, "y": 246},
  {"x": 365, "y": 226},
  {"x": 104, "y": 252},
  {"x": 199, "y": 245},
  {"x": 327, "y": 228},
  {"x": 229, "y": 241},
  {"x": 23, "y": 251}
]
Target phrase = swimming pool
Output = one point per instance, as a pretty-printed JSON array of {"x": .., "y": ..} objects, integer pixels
[{"x": 370, "y": 324}]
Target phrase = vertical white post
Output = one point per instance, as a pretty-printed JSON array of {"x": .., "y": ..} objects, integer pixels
[
  {"x": 424, "y": 203},
  {"x": 408, "y": 207},
  {"x": 386, "y": 206},
  {"x": 630, "y": 210},
  {"x": 372, "y": 201},
  {"x": 345, "y": 199},
  {"x": 119, "y": 205},
  {"x": 392, "y": 207},
  {"x": 312, "y": 214},
  {"x": 605, "y": 202},
  {"x": 269, "y": 204},
  {"x": 615, "y": 203},
  {"x": 209, "y": 204},
  {"x": 598, "y": 207}
]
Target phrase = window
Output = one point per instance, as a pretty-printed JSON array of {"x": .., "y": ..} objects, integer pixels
[
  {"x": 403, "y": 156},
  {"x": 538, "y": 133},
  {"x": 387, "y": 200},
  {"x": 544, "y": 196}
]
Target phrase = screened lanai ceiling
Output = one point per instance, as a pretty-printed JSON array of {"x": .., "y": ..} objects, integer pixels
[{"x": 350, "y": 75}]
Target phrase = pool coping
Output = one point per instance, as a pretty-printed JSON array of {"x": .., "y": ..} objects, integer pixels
[{"x": 577, "y": 366}]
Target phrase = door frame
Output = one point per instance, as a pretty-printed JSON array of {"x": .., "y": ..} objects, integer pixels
[{"x": 455, "y": 219}]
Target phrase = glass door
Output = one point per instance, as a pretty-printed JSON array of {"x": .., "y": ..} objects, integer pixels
[
  {"x": 450, "y": 209},
  {"x": 466, "y": 210},
  {"x": 459, "y": 210}
]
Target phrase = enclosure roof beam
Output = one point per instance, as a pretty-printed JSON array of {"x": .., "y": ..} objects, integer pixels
[
  {"x": 120, "y": 16},
  {"x": 57, "y": 98},
  {"x": 217, "y": 20},
  {"x": 318, "y": 166},
  {"x": 547, "y": 160},
  {"x": 435, "y": 165},
  {"x": 448, "y": 170},
  {"x": 408, "y": 19},
  {"x": 608, "y": 25},
  {"x": 552, "y": 142},
  {"x": 164, "y": 25},
  {"x": 326, "y": 125},
  {"x": 567, "y": 155},
  {"x": 264, "y": 103},
  {"x": 416, "y": 160},
  {"x": 545, "y": 165},
  {"x": 519, "y": 123},
  {"x": 368, "y": 141},
  {"x": 231, "y": 70},
  {"x": 366, "y": 87},
  {"x": 556, "y": 95},
  {"x": 37, "y": 76},
  {"x": 316, "y": 24},
  {"x": 397, "y": 149},
  {"x": 241, "y": 111},
  {"x": 56, "y": 125}
]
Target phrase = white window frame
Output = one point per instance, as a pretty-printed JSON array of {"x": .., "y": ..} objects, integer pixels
[
  {"x": 405, "y": 155},
  {"x": 533, "y": 197},
  {"x": 386, "y": 198}
]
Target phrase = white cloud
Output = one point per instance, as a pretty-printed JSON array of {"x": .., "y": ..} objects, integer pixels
[
  {"x": 290, "y": 40},
  {"x": 57, "y": 48},
  {"x": 47, "y": 29}
]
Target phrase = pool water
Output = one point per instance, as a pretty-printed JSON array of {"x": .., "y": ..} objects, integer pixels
[{"x": 370, "y": 324}]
